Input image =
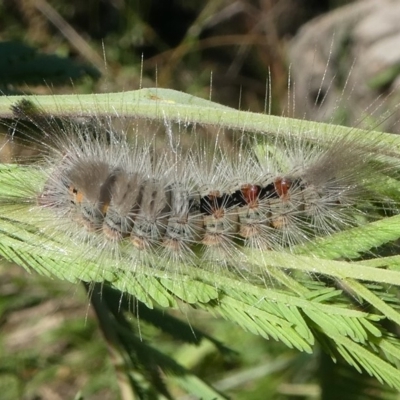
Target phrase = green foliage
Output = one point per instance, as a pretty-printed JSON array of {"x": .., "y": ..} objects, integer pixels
[
  {"x": 343, "y": 305},
  {"x": 21, "y": 64}
]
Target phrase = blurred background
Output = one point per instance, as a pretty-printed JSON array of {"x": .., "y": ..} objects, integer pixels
[
  {"x": 328, "y": 60},
  {"x": 181, "y": 43}
]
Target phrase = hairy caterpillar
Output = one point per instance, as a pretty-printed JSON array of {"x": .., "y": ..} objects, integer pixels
[{"x": 150, "y": 201}]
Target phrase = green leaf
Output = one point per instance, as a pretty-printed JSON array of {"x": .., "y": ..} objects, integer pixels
[{"x": 275, "y": 295}]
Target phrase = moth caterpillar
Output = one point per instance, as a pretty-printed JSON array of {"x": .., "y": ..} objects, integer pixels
[{"x": 199, "y": 205}]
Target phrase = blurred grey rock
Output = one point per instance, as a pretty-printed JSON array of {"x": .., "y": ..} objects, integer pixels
[{"x": 346, "y": 66}]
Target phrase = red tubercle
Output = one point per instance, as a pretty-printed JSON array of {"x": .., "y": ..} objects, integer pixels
[
  {"x": 282, "y": 186},
  {"x": 250, "y": 193}
]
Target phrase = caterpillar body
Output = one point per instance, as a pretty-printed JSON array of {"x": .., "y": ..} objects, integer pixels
[{"x": 199, "y": 205}]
